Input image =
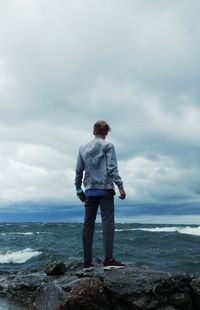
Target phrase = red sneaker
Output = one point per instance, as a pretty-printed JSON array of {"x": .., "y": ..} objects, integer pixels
[
  {"x": 112, "y": 264},
  {"x": 88, "y": 266}
]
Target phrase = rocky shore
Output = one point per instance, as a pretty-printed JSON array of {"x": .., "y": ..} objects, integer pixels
[{"x": 64, "y": 286}]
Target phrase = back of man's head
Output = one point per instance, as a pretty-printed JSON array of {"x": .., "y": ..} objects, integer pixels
[{"x": 101, "y": 128}]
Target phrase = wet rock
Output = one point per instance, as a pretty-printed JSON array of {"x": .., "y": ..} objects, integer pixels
[
  {"x": 147, "y": 289},
  {"x": 195, "y": 285},
  {"x": 73, "y": 265},
  {"x": 24, "y": 289},
  {"x": 55, "y": 268},
  {"x": 131, "y": 281},
  {"x": 178, "y": 299},
  {"x": 169, "y": 307},
  {"x": 70, "y": 285},
  {"x": 50, "y": 297},
  {"x": 67, "y": 281},
  {"x": 88, "y": 295},
  {"x": 145, "y": 302}
]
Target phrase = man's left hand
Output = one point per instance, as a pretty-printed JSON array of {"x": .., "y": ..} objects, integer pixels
[{"x": 122, "y": 194}]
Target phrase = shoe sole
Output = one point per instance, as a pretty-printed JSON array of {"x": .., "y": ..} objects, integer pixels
[
  {"x": 88, "y": 269},
  {"x": 113, "y": 267}
]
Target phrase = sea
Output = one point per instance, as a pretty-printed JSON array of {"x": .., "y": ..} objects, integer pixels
[{"x": 173, "y": 248}]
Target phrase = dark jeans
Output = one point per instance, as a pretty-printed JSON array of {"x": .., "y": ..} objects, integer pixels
[{"x": 106, "y": 204}]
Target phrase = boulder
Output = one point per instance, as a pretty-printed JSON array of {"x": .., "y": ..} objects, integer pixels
[{"x": 55, "y": 268}]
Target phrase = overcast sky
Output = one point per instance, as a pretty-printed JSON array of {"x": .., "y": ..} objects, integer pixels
[{"x": 64, "y": 64}]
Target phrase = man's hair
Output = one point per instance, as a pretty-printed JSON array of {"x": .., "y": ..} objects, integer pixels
[{"x": 101, "y": 128}]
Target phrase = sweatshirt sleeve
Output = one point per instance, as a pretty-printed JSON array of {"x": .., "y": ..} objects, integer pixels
[
  {"x": 112, "y": 167},
  {"x": 79, "y": 171}
]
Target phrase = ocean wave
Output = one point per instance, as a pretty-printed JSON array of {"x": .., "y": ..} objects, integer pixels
[
  {"x": 21, "y": 233},
  {"x": 190, "y": 230},
  {"x": 182, "y": 230},
  {"x": 18, "y": 257},
  {"x": 161, "y": 229},
  {"x": 17, "y": 233},
  {"x": 156, "y": 229},
  {"x": 25, "y": 234}
]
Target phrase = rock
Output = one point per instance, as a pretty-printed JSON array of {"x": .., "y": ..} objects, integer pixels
[
  {"x": 50, "y": 297},
  {"x": 55, "y": 268},
  {"x": 88, "y": 295},
  {"x": 131, "y": 280},
  {"x": 145, "y": 302},
  {"x": 69, "y": 286},
  {"x": 129, "y": 288},
  {"x": 23, "y": 286},
  {"x": 147, "y": 289},
  {"x": 169, "y": 307},
  {"x": 73, "y": 265},
  {"x": 195, "y": 285},
  {"x": 178, "y": 299}
]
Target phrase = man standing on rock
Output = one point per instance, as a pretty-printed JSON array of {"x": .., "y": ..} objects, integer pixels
[{"x": 98, "y": 161}]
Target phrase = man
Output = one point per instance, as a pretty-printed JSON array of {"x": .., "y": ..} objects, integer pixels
[{"x": 97, "y": 160}]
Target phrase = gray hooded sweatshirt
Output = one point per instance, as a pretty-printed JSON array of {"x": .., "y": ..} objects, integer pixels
[{"x": 98, "y": 159}]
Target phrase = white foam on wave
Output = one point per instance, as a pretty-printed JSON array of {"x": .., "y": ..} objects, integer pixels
[
  {"x": 161, "y": 229},
  {"x": 190, "y": 230},
  {"x": 18, "y": 257},
  {"x": 182, "y": 230},
  {"x": 21, "y": 233},
  {"x": 156, "y": 229},
  {"x": 25, "y": 234}
]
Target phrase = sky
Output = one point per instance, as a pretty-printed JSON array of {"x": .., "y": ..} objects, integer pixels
[{"x": 65, "y": 64}]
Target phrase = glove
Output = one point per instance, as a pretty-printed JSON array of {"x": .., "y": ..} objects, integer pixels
[{"x": 80, "y": 194}]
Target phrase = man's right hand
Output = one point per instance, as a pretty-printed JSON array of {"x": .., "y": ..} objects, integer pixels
[
  {"x": 80, "y": 194},
  {"x": 122, "y": 194}
]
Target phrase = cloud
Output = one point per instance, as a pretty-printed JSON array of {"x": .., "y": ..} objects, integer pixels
[
  {"x": 65, "y": 64},
  {"x": 34, "y": 172},
  {"x": 160, "y": 180}
]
